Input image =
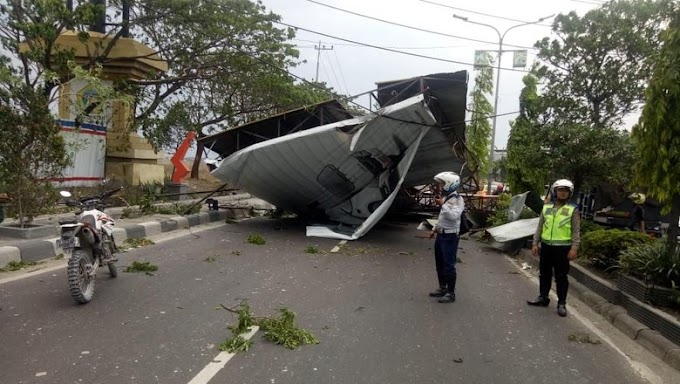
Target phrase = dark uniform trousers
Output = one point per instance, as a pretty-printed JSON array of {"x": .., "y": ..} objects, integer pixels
[
  {"x": 554, "y": 257},
  {"x": 445, "y": 254}
]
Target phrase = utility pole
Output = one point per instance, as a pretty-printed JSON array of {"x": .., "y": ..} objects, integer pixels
[
  {"x": 320, "y": 48},
  {"x": 500, "y": 51}
]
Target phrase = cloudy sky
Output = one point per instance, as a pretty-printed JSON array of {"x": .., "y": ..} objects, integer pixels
[{"x": 352, "y": 68}]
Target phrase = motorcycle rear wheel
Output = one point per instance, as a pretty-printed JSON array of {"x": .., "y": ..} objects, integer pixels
[{"x": 80, "y": 282}]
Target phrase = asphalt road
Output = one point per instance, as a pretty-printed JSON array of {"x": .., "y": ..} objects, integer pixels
[{"x": 367, "y": 304}]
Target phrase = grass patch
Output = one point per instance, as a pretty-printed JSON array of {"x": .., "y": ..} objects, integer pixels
[
  {"x": 210, "y": 259},
  {"x": 59, "y": 256},
  {"x": 141, "y": 266},
  {"x": 312, "y": 249},
  {"x": 17, "y": 265},
  {"x": 256, "y": 239},
  {"x": 236, "y": 253}
]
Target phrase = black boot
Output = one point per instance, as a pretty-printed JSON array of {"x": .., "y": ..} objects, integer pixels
[
  {"x": 441, "y": 291},
  {"x": 450, "y": 295},
  {"x": 562, "y": 309},
  {"x": 541, "y": 301}
]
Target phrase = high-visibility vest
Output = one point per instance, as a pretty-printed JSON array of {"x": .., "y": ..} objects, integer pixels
[{"x": 557, "y": 224}]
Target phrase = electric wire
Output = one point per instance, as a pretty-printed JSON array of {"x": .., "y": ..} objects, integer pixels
[
  {"x": 482, "y": 13},
  {"x": 412, "y": 27}
]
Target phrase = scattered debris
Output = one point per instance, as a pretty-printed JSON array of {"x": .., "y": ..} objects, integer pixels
[
  {"x": 256, "y": 239},
  {"x": 583, "y": 338},
  {"x": 236, "y": 253},
  {"x": 59, "y": 256},
  {"x": 17, "y": 265},
  {"x": 141, "y": 266},
  {"x": 526, "y": 266},
  {"x": 210, "y": 259},
  {"x": 279, "y": 330},
  {"x": 136, "y": 242},
  {"x": 312, "y": 249},
  {"x": 231, "y": 221},
  {"x": 458, "y": 360},
  {"x": 513, "y": 273}
]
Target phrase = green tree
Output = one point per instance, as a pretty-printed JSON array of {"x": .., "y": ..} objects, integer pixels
[
  {"x": 657, "y": 136},
  {"x": 541, "y": 150},
  {"x": 526, "y": 163},
  {"x": 591, "y": 76},
  {"x": 228, "y": 62},
  {"x": 596, "y": 69},
  {"x": 478, "y": 131},
  {"x": 32, "y": 151}
]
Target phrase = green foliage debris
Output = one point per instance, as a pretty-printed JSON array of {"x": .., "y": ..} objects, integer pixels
[
  {"x": 256, "y": 239},
  {"x": 312, "y": 249},
  {"x": 17, "y": 265},
  {"x": 279, "y": 330},
  {"x": 583, "y": 338},
  {"x": 141, "y": 266},
  {"x": 136, "y": 242}
]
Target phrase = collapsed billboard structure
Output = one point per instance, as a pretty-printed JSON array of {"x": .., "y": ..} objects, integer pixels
[{"x": 322, "y": 162}]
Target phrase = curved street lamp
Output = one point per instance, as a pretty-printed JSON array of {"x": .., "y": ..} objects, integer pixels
[{"x": 501, "y": 37}]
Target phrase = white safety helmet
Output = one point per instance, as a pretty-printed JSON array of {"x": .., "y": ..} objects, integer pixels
[
  {"x": 450, "y": 180},
  {"x": 638, "y": 198},
  {"x": 562, "y": 183}
]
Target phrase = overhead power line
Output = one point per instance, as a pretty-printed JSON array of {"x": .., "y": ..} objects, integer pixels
[
  {"x": 482, "y": 13},
  {"x": 414, "y": 28},
  {"x": 370, "y": 45},
  {"x": 391, "y": 50},
  {"x": 393, "y": 47}
]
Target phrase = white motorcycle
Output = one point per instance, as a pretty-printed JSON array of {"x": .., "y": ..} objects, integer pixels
[{"x": 88, "y": 240}]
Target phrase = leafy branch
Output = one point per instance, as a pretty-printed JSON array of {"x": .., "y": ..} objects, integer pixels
[{"x": 279, "y": 330}]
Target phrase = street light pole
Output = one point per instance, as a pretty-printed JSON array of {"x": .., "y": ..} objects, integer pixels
[{"x": 501, "y": 37}]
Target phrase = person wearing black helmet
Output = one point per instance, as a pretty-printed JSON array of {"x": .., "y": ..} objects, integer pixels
[
  {"x": 558, "y": 233},
  {"x": 447, "y": 233}
]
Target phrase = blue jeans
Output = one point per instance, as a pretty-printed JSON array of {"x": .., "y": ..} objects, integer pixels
[{"x": 445, "y": 254}]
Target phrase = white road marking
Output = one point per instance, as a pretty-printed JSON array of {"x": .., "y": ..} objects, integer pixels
[
  {"x": 337, "y": 247},
  {"x": 210, "y": 370}
]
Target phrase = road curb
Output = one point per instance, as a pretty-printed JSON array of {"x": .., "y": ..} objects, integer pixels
[
  {"x": 8, "y": 254},
  {"x": 43, "y": 249},
  {"x": 592, "y": 295}
]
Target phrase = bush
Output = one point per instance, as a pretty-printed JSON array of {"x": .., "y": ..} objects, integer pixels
[
  {"x": 603, "y": 247},
  {"x": 500, "y": 214},
  {"x": 589, "y": 226},
  {"x": 652, "y": 263}
]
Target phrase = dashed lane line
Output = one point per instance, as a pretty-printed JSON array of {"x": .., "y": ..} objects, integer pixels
[{"x": 336, "y": 249}]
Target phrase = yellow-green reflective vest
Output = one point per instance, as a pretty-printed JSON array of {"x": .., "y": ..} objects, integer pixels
[{"x": 557, "y": 224}]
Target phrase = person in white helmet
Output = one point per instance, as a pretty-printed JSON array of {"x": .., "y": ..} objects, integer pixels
[
  {"x": 558, "y": 233},
  {"x": 446, "y": 232},
  {"x": 637, "y": 217}
]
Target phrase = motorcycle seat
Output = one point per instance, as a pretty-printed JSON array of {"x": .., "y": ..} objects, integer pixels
[{"x": 68, "y": 220}]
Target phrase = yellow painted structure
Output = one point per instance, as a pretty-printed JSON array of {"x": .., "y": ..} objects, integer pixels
[{"x": 129, "y": 157}]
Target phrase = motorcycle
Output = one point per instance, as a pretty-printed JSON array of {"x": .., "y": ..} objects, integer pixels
[{"x": 88, "y": 240}]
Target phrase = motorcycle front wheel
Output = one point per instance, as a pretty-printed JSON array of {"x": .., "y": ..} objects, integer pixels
[
  {"x": 108, "y": 248},
  {"x": 80, "y": 282}
]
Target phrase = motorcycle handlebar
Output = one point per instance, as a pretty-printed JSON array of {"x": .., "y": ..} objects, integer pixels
[{"x": 93, "y": 200}]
